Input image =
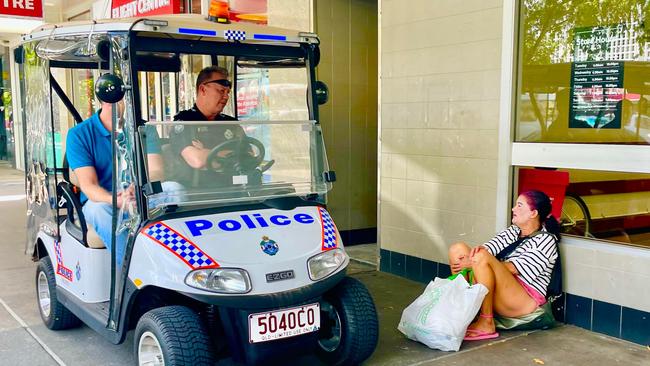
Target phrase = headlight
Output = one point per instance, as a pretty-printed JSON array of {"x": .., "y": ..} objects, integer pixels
[
  {"x": 323, "y": 264},
  {"x": 223, "y": 280}
]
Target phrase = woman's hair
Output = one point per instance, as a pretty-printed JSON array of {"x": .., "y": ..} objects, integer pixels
[{"x": 538, "y": 200}]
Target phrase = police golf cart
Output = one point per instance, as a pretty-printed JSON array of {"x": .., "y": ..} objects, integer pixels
[{"x": 253, "y": 268}]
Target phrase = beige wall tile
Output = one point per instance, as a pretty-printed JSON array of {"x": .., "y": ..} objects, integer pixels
[
  {"x": 608, "y": 285},
  {"x": 398, "y": 12},
  {"x": 398, "y": 193},
  {"x": 475, "y": 114},
  {"x": 579, "y": 255},
  {"x": 432, "y": 169},
  {"x": 434, "y": 248},
  {"x": 578, "y": 278},
  {"x": 486, "y": 201},
  {"x": 636, "y": 292},
  {"x": 431, "y": 221},
  {"x": 483, "y": 229},
  {"x": 415, "y": 167}
]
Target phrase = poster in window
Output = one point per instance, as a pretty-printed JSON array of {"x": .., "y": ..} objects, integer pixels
[{"x": 597, "y": 77}]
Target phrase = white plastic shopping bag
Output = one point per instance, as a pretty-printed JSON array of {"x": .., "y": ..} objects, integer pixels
[{"x": 440, "y": 316}]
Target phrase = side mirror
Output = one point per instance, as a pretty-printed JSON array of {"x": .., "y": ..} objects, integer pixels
[
  {"x": 109, "y": 88},
  {"x": 322, "y": 92}
]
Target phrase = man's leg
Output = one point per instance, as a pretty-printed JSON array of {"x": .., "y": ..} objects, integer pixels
[{"x": 99, "y": 215}]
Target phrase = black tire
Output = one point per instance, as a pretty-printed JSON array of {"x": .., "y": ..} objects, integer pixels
[
  {"x": 358, "y": 329},
  {"x": 180, "y": 333},
  {"x": 58, "y": 317}
]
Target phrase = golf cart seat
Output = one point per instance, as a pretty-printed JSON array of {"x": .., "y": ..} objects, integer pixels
[{"x": 76, "y": 222}]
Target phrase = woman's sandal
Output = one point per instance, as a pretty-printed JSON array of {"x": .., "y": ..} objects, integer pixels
[{"x": 479, "y": 335}]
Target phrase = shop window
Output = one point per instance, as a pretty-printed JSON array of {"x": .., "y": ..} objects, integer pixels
[
  {"x": 602, "y": 205},
  {"x": 83, "y": 91},
  {"x": 584, "y": 73}
]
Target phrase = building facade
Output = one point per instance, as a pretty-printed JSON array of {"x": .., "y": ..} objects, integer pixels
[{"x": 474, "y": 96}]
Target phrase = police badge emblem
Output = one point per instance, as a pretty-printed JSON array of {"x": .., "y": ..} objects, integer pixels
[
  {"x": 179, "y": 128},
  {"x": 269, "y": 246},
  {"x": 228, "y": 134}
]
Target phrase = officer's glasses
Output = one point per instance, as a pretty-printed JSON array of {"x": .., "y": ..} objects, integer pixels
[{"x": 223, "y": 82}]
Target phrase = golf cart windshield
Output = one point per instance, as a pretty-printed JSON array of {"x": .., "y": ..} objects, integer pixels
[
  {"x": 248, "y": 161},
  {"x": 263, "y": 145}
]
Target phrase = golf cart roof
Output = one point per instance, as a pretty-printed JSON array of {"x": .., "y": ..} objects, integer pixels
[{"x": 180, "y": 26}]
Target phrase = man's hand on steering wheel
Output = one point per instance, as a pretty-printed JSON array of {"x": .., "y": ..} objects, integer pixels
[{"x": 236, "y": 156}]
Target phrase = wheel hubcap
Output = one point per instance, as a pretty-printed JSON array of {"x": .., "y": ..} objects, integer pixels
[
  {"x": 149, "y": 351},
  {"x": 43, "y": 294},
  {"x": 330, "y": 328}
]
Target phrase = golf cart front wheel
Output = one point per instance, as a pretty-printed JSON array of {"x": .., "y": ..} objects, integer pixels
[
  {"x": 172, "y": 336},
  {"x": 349, "y": 326},
  {"x": 54, "y": 314}
]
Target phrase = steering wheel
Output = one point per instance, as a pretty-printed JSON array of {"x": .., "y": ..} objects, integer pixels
[{"x": 234, "y": 156}]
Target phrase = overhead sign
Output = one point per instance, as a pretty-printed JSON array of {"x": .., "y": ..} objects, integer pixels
[
  {"x": 22, "y": 8},
  {"x": 140, "y": 8}
]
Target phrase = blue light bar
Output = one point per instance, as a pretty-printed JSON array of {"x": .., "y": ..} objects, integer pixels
[
  {"x": 269, "y": 37},
  {"x": 197, "y": 32}
]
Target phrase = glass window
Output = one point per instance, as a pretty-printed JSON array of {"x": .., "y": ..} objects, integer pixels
[
  {"x": 83, "y": 91},
  {"x": 584, "y": 72},
  {"x": 604, "y": 205}
]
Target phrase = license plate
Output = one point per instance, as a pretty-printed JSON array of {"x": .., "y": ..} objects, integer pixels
[{"x": 285, "y": 323}]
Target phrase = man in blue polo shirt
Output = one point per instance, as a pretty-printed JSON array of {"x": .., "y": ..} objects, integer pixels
[{"x": 89, "y": 153}]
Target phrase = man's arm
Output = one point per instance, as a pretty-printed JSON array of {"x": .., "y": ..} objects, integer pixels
[
  {"x": 89, "y": 184},
  {"x": 195, "y": 156},
  {"x": 155, "y": 167}
]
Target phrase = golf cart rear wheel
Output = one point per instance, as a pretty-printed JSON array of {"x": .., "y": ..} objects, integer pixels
[
  {"x": 171, "y": 336},
  {"x": 349, "y": 326},
  {"x": 54, "y": 314}
]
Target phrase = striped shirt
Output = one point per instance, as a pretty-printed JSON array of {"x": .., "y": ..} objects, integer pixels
[{"x": 534, "y": 258}]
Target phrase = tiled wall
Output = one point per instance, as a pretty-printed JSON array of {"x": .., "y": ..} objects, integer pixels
[
  {"x": 611, "y": 273},
  {"x": 599, "y": 316},
  {"x": 440, "y": 70}
]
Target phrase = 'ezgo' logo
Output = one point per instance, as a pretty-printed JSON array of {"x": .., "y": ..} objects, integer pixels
[
  {"x": 254, "y": 221},
  {"x": 279, "y": 276}
]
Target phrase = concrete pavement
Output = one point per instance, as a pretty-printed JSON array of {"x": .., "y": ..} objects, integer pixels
[{"x": 24, "y": 340}]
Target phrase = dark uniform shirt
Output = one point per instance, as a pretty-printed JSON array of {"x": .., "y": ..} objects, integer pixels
[{"x": 210, "y": 136}]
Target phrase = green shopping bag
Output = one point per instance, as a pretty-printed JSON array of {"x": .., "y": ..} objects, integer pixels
[{"x": 465, "y": 272}]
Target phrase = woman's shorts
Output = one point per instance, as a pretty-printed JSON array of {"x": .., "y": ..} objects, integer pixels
[{"x": 539, "y": 298}]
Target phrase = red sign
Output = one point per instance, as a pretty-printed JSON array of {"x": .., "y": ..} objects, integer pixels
[
  {"x": 22, "y": 8},
  {"x": 139, "y": 8}
]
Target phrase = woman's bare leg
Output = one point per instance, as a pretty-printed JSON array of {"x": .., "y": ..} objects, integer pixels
[{"x": 505, "y": 295}]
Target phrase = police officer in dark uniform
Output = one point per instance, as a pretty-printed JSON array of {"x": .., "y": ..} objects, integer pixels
[{"x": 194, "y": 143}]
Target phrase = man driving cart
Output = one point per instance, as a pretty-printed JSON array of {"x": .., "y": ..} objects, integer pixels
[{"x": 194, "y": 144}]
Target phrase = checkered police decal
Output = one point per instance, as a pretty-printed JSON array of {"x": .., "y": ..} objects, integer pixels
[
  {"x": 330, "y": 241},
  {"x": 179, "y": 245},
  {"x": 234, "y": 35},
  {"x": 61, "y": 270}
]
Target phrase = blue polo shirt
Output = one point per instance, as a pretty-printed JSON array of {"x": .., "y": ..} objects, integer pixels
[{"x": 89, "y": 144}]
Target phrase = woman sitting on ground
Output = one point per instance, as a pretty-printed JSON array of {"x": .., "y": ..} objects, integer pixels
[{"x": 517, "y": 284}]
